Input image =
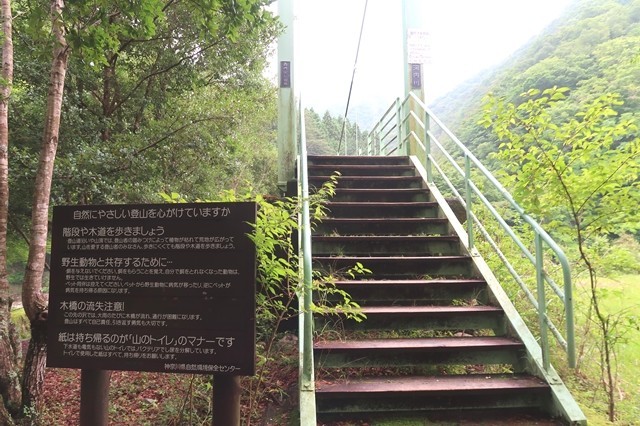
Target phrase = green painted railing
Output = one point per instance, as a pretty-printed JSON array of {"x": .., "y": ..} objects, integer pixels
[
  {"x": 406, "y": 129},
  {"x": 306, "y": 373}
]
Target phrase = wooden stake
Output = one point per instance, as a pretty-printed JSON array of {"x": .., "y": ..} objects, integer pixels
[
  {"x": 226, "y": 400},
  {"x": 94, "y": 397}
]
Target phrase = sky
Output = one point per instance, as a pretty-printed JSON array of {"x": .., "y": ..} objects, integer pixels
[{"x": 466, "y": 37}]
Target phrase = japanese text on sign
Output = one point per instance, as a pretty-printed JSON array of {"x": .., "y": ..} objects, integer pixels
[{"x": 153, "y": 288}]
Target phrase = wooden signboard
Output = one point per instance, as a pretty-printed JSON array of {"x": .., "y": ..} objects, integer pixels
[{"x": 166, "y": 287}]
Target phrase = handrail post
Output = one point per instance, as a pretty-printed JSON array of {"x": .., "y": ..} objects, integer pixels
[
  {"x": 427, "y": 147},
  {"x": 286, "y": 96},
  {"x": 468, "y": 200},
  {"x": 306, "y": 371},
  {"x": 542, "y": 302},
  {"x": 406, "y": 121},
  {"x": 568, "y": 306},
  {"x": 307, "y": 365},
  {"x": 399, "y": 122}
]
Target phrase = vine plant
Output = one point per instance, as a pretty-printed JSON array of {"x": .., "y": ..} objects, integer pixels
[{"x": 275, "y": 237}]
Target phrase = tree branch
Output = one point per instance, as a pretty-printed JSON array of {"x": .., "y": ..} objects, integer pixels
[
  {"x": 194, "y": 52},
  {"x": 604, "y": 182},
  {"x": 164, "y": 138}
]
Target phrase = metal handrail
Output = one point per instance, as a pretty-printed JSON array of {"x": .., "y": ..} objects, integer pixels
[
  {"x": 304, "y": 235},
  {"x": 410, "y": 123}
]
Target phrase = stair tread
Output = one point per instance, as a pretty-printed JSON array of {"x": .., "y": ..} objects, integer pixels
[
  {"x": 361, "y": 166},
  {"x": 391, "y": 258},
  {"x": 359, "y": 158},
  {"x": 411, "y": 282},
  {"x": 381, "y": 203},
  {"x": 369, "y": 190},
  {"x": 431, "y": 384},
  {"x": 371, "y": 310},
  {"x": 382, "y": 219},
  {"x": 385, "y": 238},
  {"x": 366, "y": 177},
  {"x": 444, "y": 343},
  {"x": 381, "y": 190}
]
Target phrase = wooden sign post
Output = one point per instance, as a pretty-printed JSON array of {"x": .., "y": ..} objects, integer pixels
[{"x": 160, "y": 287}]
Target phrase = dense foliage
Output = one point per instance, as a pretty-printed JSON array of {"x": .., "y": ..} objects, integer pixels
[
  {"x": 580, "y": 177},
  {"x": 152, "y": 94},
  {"x": 174, "y": 105}
]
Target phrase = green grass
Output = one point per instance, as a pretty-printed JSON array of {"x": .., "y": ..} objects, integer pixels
[
  {"x": 620, "y": 297},
  {"x": 17, "y": 314},
  {"x": 623, "y": 297},
  {"x": 19, "y": 318}
]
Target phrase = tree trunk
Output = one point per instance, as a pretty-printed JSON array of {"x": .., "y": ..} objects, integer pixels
[
  {"x": 35, "y": 304},
  {"x": 9, "y": 382}
]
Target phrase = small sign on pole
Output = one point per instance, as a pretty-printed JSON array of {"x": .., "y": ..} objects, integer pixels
[
  {"x": 418, "y": 46},
  {"x": 416, "y": 76},
  {"x": 285, "y": 74}
]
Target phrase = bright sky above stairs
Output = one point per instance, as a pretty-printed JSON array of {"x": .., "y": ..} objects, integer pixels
[{"x": 466, "y": 37}]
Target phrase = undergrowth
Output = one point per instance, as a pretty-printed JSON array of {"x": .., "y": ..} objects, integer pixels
[{"x": 275, "y": 235}]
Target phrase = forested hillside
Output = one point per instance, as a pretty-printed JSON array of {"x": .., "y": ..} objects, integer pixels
[
  {"x": 594, "y": 48},
  {"x": 325, "y": 132},
  {"x": 558, "y": 123}
]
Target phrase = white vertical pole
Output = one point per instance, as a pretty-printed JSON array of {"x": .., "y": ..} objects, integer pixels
[
  {"x": 412, "y": 22},
  {"x": 286, "y": 96},
  {"x": 413, "y": 71}
]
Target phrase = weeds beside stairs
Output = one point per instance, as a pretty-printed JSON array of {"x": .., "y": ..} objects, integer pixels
[{"x": 436, "y": 343}]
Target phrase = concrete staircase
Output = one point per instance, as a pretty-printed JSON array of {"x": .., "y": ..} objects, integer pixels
[{"x": 435, "y": 345}]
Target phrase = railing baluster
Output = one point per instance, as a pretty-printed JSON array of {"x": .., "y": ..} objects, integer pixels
[
  {"x": 427, "y": 145},
  {"x": 542, "y": 302},
  {"x": 468, "y": 200},
  {"x": 307, "y": 383},
  {"x": 403, "y": 117}
]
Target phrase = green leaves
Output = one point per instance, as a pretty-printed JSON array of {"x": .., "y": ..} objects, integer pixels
[
  {"x": 581, "y": 177},
  {"x": 582, "y": 171},
  {"x": 279, "y": 278}
]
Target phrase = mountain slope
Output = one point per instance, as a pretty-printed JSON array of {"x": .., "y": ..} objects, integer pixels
[{"x": 593, "y": 48}]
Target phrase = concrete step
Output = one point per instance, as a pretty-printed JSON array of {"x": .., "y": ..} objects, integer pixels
[
  {"x": 411, "y": 292},
  {"x": 357, "y": 160},
  {"x": 386, "y": 245},
  {"x": 357, "y": 209},
  {"x": 361, "y": 170},
  {"x": 418, "y": 352},
  {"x": 383, "y": 226},
  {"x": 437, "y": 393},
  {"x": 370, "y": 182},
  {"x": 468, "y": 318},
  {"x": 407, "y": 267},
  {"x": 381, "y": 195}
]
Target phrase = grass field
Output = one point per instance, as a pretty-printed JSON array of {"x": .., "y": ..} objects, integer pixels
[
  {"x": 625, "y": 298},
  {"x": 620, "y": 299}
]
